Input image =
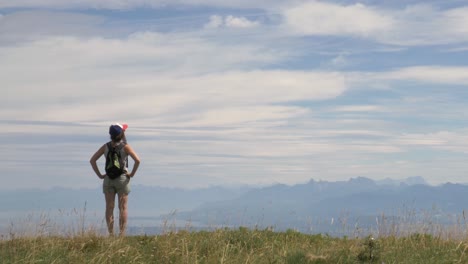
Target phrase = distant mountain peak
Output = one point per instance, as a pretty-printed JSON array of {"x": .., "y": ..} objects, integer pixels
[
  {"x": 361, "y": 180},
  {"x": 414, "y": 180}
]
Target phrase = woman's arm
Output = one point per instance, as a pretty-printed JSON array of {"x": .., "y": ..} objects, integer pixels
[
  {"x": 135, "y": 158},
  {"x": 94, "y": 159}
]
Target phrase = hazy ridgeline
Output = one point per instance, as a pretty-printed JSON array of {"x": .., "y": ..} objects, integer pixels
[
  {"x": 357, "y": 207},
  {"x": 355, "y": 221}
]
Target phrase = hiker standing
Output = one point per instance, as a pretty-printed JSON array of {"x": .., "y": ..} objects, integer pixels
[{"x": 117, "y": 177}]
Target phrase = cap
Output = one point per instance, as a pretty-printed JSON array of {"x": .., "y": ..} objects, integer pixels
[{"x": 116, "y": 129}]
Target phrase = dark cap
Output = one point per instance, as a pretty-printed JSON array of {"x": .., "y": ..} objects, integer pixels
[{"x": 116, "y": 129}]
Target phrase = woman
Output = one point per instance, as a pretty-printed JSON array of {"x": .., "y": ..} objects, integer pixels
[{"x": 119, "y": 185}]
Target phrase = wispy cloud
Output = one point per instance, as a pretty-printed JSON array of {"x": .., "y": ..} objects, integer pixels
[
  {"x": 230, "y": 22},
  {"x": 409, "y": 26},
  {"x": 320, "y": 18},
  {"x": 454, "y": 141},
  {"x": 125, "y": 4},
  {"x": 358, "y": 108},
  {"x": 82, "y": 72},
  {"x": 290, "y": 93},
  {"x": 416, "y": 26},
  {"x": 432, "y": 74},
  {"x": 36, "y": 24},
  {"x": 429, "y": 74}
]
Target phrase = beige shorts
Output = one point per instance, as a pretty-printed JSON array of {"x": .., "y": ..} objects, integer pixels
[{"x": 119, "y": 185}]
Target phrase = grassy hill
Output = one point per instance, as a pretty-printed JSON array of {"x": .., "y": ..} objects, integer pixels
[{"x": 240, "y": 245}]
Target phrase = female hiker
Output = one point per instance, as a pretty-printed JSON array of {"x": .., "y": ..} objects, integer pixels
[{"x": 117, "y": 176}]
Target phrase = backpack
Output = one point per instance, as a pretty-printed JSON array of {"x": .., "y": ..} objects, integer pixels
[{"x": 115, "y": 165}]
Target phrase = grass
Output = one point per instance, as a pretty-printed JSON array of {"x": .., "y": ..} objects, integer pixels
[
  {"x": 240, "y": 245},
  {"x": 398, "y": 240}
]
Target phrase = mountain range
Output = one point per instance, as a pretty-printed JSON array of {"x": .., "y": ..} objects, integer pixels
[
  {"x": 339, "y": 207},
  {"x": 315, "y": 206}
]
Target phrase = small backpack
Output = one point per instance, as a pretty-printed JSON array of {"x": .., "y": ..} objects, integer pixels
[{"x": 115, "y": 165}]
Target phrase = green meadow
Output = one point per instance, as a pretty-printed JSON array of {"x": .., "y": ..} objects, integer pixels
[{"x": 241, "y": 245}]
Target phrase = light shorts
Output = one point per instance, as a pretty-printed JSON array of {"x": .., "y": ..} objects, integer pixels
[{"x": 119, "y": 185}]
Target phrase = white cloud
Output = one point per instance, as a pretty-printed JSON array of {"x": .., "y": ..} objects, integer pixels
[
  {"x": 417, "y": 25},
  {"x": 339, "y": 61},
  {"x": 245, "y": 115},
  {"x": 359, "y": 108},
  {"x": 57, "y": 4},
  {"x": 410, "y": 26},
  {"x": 126, "y": 4},
  {"x": 164, "y": 75},
  {"x": 431, "y": 74},
  {"x": 215, "y": 22},
  {"x": 36, "y": 24},
  {"x": 230, "y": 22},
  {"x": 142, "y": 52},
  {"x": 214, "y": 100},
  {"x": 239, "y": 22},
  {"x": 204, "y": 107},
  {"x": 455, "y": 141},
  {"x": 453, "y": 75},
  {"x": 320, "y": 18},
  {"x": 456, "y": 20}
]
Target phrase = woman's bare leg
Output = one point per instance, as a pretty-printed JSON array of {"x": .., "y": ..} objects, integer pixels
[
  {"x": 123, "y": 200},
  {"x": 110, "y": 204}
]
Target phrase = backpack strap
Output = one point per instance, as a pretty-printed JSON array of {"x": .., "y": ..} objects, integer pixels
[
  {"x": 121, "y": 145},
  {"x": 118, "y": 147}
]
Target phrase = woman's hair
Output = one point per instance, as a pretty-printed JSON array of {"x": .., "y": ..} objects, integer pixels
[{"x": 118, "y": 137}]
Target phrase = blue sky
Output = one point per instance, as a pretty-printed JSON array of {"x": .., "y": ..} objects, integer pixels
[{"x": 235, "y": 92}]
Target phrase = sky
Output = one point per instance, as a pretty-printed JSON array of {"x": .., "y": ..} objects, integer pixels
[{"x": 234, "y": 92}]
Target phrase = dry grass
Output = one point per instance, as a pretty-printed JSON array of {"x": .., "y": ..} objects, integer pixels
[
  {"x": 414, "y": 241},
  {"x": 232, "y": 246}
]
